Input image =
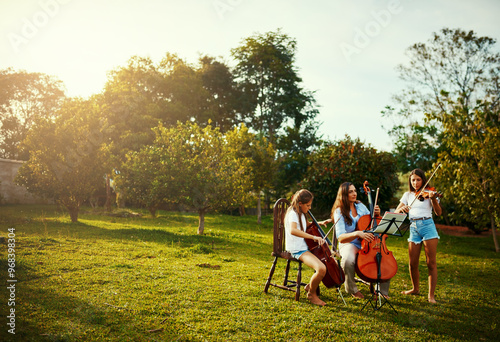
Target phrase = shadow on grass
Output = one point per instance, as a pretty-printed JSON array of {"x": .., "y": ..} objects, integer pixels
[
  {"x": 83, "y": 230},
  {"x": 45, "y": 314},
  {"x": 150, "y": 231},
  {"x": 455, "y": 319}
]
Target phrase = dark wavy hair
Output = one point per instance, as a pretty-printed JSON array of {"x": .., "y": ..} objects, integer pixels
[
  {"x": 419, "y": 173},
  {"x": 342, "y": 202}
]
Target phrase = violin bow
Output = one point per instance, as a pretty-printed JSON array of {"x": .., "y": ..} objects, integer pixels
[
  {"x": 334, "y": 237},
  {"x": 422, "y": 188}
]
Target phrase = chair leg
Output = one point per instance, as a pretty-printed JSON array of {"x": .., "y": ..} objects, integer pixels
[
  {"x": 299, "y": 281},
  {"x": 271, "y": 272},
  {"x": 285, "y": 281}
]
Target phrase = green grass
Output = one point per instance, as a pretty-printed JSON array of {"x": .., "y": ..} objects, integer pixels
[{"x": 154, "y": 279}]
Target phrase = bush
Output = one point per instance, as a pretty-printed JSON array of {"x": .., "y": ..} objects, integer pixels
[{"x": 350, "y": 161}]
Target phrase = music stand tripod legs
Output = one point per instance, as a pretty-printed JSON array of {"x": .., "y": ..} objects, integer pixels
[{"x": 376, "y": 298}]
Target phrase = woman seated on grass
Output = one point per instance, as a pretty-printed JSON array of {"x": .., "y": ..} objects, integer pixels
[{"x": 295, "y": 228}]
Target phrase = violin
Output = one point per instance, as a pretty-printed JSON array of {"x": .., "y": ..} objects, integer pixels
[
  {"x": 426, "y": 193},
  {"x": 421, "y": 194},
  {"x": 334, "y": 276},
  {"x": 374, "y": 262}
]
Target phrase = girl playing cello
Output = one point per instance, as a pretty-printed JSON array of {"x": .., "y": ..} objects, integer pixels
[{"x": 295, "y": 228}]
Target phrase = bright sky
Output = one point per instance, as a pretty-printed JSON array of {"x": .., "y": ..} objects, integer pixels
[{"x": 347, "y": 50}]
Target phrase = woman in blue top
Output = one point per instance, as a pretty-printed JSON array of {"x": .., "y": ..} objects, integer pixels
[{"x": 346, "y": 211}]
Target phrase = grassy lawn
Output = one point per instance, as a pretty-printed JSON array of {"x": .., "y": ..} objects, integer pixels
[{"x": 154, "y": 279}]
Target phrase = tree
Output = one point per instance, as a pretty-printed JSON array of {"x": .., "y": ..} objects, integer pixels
[
  {"x": 293, "y": 159},
  {"x": 190, "y": 166},
  {"x": 452, "y": 64},
  {"x": 24, "y": 98},
  {"x": 471, "y": 163},
  {"x": 352, "y": 161},
  {"x": 140, "y": 95},
  {"x": 143, "y": 93},
  {"x": 225, "y": 106},
  {"x": 260, "y": 154},
  {"x": 67, "y": 162},
  {"x": 132, "y": 104},
  {"x": 266, "y": 73}
]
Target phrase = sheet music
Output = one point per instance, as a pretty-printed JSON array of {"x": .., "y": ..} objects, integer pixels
[{"x": 393, "y": 221}]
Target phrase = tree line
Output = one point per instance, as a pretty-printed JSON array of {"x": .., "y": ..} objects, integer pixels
[{"x": 161, "y": 129}]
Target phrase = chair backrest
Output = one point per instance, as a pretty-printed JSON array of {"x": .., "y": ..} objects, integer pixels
[{"x": 280, "y": 208}]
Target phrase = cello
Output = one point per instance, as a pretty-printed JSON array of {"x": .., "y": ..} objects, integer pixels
[
  {"x": 374, "y": 262},
  {"x": 334, "y": 276}
]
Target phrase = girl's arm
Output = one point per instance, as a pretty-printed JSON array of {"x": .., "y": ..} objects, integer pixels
[
  {"x": 402, "y": 208},
  {"x": 435, "y": 204},
  {"x": 348, "y": 237},
  {"x": 325, "y": 222},
  {"x": 297, "y": 232}
]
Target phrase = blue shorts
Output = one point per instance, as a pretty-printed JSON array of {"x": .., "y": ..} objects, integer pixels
[
  {"x": 298, "y": 254},
  {"x": 422, "y": 230}
]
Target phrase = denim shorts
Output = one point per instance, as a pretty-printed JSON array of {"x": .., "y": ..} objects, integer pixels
[
  {"x": 422, "y": 230},
  {"x": 298, "y": 254}
]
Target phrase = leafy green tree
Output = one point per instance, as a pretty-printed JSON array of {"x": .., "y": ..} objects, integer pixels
[
  {"x": 260, "y": 154},
  {"x": 352, "y": 161},
  {"x": 284, "y": 111},
  {"x": 225, "y": 105},
  {"x": 190, "y": 166},
  {"x": 132, "y": 104},
  {"x": 471, "y": 163},
  {"x": 452, "y": 64},
  {"x": 293, "y": 158},
  {"x": 143, "y": 93},
  {"x": 147, "y": 178},
  {"x": 24, "y": 98},
  {"x": 412, "y": 146},
  {"x": 267, "y": 75},
  {"x": 67, "y": 162},
  {"x": 140, "y": 95}
]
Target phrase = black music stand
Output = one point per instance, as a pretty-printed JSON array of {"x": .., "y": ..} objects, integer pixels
[{"x": 390, "y": 224}]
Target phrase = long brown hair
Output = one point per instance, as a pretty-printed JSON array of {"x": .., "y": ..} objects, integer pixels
[
  {"x": 302, "y": 196},
  {"x": 342, "y": 202},
  {"x": 419, "y": 173}
]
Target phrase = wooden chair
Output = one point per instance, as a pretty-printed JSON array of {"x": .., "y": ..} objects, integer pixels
[{"x": 280, "y": 208}]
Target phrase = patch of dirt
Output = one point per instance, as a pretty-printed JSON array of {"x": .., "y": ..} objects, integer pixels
[{"x": 460, "y": 231}]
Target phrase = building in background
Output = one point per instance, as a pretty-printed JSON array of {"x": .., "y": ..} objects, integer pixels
[{"x": 10, "y": 193}]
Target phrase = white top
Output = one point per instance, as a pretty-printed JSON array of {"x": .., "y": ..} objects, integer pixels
[
  {"x": 294, "y": 244},
  {"x": 419, "y": 208}
]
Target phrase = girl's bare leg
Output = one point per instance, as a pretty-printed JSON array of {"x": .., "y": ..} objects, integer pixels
[
  {"x": 414, "y": 254},
  {"x": 312, "y": 261},
  {"x": 430, "y": 257}
]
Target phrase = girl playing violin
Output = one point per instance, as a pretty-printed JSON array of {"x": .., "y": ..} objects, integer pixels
[
  {"x": 295, "y": 228},
  {"x": 346, "y": 211},
  {"x": 422, "y": 230}
]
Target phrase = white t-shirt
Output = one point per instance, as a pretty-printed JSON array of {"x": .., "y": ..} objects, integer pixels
[
  {"x": 419, "y": 208},
  {"x": 294, "y": 243}
]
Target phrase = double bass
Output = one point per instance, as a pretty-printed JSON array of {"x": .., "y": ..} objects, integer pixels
[
  {"x": 334, "y": 276},
  {"x": 374, "y": 262}
]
